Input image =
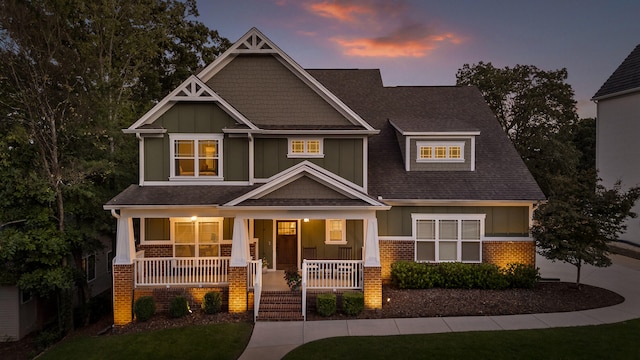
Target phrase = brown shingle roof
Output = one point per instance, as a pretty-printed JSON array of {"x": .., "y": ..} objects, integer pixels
[
  {"x": 193, "y": 195},
  {"x": 500, "y": 172},
  {"x": 625, "y": 77}
]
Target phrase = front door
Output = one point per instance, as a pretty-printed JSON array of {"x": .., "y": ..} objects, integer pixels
[{"x": 286, "y": 244}]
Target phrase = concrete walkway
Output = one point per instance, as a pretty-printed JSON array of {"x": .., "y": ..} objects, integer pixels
[{"x": 272, "y": 340}]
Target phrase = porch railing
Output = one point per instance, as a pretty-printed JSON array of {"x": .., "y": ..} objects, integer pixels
[
  {"x": 330, "y": 274},
  {"x": 254, "y": 279},
  {"x": 334, "y": 274},
  {"x": 181, "y": 271}
]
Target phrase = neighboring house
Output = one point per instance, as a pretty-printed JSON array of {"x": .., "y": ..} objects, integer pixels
[
  {"x": 18, "y": 313},
  {"x": 618, "y": 128},
  {"x": 327, "y": 171},
  {"x": 22, "y": 312}
]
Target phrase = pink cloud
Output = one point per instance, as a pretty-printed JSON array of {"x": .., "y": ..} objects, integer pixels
[
  {"x": 409, "y": 41},
  {"x": 339, "y": 10}
]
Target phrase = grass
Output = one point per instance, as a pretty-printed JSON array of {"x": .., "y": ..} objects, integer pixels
[
  {"x": 217, "y": 341},
  {"x": 611, "y": 341}
]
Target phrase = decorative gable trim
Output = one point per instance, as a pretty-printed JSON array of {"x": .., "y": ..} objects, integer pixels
[
  {"x": 317, "y": 173},
  {"x": 255, "y": 42},
  {"x": 192, "y": 89}
]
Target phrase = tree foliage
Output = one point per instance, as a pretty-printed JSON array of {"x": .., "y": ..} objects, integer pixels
[
  {"x": 576, "y": 226},
  {"x": 535, "y": 108},
  {"x": 73, "y": 73}
]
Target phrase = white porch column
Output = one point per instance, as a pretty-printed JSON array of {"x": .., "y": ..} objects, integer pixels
[
  {"x": 125, "y": 242},
  {"x": 371, "y": 245},
  {"x": 240, "y": 243}
]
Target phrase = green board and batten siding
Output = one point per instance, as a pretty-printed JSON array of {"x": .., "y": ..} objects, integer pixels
[
  {"x": 343, "y": 157},
  {"x": 501, "y": 221},
  {"x": 196, "y": 118}
]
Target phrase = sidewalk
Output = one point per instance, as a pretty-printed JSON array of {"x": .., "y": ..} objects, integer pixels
[{"x": 272, "y": 340}]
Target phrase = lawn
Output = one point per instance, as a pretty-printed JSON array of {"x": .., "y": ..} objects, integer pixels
[
  {"x": 612, "y": 341},
  {"x": 217, "y": 341}
]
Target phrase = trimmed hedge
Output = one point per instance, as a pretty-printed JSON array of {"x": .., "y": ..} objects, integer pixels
[
  {"x": 352, "y": 303},
  {"x": 412, "y": 275},
  {"x": 326, "y": 304},
  {"x": 212, "y": 302},
  {"x": 144, "y": 308},
  {"x": 179, "y": 307}
]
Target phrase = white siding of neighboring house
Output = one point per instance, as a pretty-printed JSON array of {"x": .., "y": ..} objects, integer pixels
[
  {"x": 618, "y": 149},
  {"x": 9, "y": 313}
]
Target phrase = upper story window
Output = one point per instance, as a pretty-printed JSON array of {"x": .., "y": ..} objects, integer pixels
[
  {"x": 89, "y": 266},
  {"x": 196, "y": 156},
  {"x": 307, "y": 148},
  {"x": 451, "y": 151}
]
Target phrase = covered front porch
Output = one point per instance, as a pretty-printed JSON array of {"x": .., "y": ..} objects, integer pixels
[{"x": 331, "y": 249}]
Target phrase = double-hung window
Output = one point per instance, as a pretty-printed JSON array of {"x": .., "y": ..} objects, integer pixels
[
  {"x": 196, "y": 156},
  {"x": 303, "y": 147},
  {"x": 336, "y": 231},
  {"x": 448, "y": 237},
  {"x": 437, "y": 151},
  {"x": 196, "y": 237}
]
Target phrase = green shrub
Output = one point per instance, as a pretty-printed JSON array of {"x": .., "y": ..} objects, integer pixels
[
  {"x": 412, "y": 275},
  {"x": 522, "y": 275},
  {"x": 326, "y": 304},
  {"x": 144, "y": 308},
  {"x": 352, "y": 303},
  {"x": 212, "y": 302},
  {"x": 179, "y": 307}
]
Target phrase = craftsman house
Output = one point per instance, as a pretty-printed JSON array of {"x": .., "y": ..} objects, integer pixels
[
  {"x": 617, "y": 129},
  {"x": 327, "y": 171}
]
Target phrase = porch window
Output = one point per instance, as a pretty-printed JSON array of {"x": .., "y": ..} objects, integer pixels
[
  {"x": 306, "y": 148},
  {"x": 448, "y": 237},
  {"x": 89, "y": 266},
  {"x": 196, "y": 156},
  {"x": 335, "y": 231},
  {"x": 198, "y": 237}
]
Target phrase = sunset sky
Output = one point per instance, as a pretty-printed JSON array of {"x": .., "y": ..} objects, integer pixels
[{"x": 416, "y": 42}]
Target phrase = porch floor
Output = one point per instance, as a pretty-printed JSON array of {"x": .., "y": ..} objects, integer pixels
[{"x": 274, "y": 281}]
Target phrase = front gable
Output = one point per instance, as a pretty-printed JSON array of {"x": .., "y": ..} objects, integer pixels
[{"x": 304, "y": 185}]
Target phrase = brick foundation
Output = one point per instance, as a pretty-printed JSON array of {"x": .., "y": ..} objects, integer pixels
[
  {"x": 122, "y": 294},
  {"x": 372, "y": 288},
  {"x": 237, "y": 289},
  {"x": 503, "y": 253},
  {"x": 392, "y": 251}
]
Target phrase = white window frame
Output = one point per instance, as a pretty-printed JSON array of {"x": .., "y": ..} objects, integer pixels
[
  {"x": 195, "y": 137},
  {"x": 305, "y": 153},
  {"x": 433, "y": 145},
  {"x": 343, "y": 239},
  {"x": 143, "y": 233},
  {"x": 85, "y": 263},
  {"x": 196, "y": 242},
  {"x": 437, "y": 218}
]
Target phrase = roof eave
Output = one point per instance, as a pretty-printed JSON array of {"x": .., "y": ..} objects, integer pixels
[{"x": 615, "y": 94}]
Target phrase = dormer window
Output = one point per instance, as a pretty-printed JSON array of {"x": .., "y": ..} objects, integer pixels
[
  {"x": 431, "y": 151},
  {"x": 196, "y": 156},
  {"x": 305, "y": 148}
]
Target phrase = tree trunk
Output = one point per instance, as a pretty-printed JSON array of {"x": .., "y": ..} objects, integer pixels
[{"x": 579, "y": 266}]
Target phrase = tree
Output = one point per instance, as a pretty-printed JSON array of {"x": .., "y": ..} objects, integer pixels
[
  {"x": 73, "y": 74},
  {"x": 576, "y": 226},
  {"x": 535, "y": 108}
]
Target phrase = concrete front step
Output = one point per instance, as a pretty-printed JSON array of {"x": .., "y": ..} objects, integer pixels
[{"x": 280, "y": 306}]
